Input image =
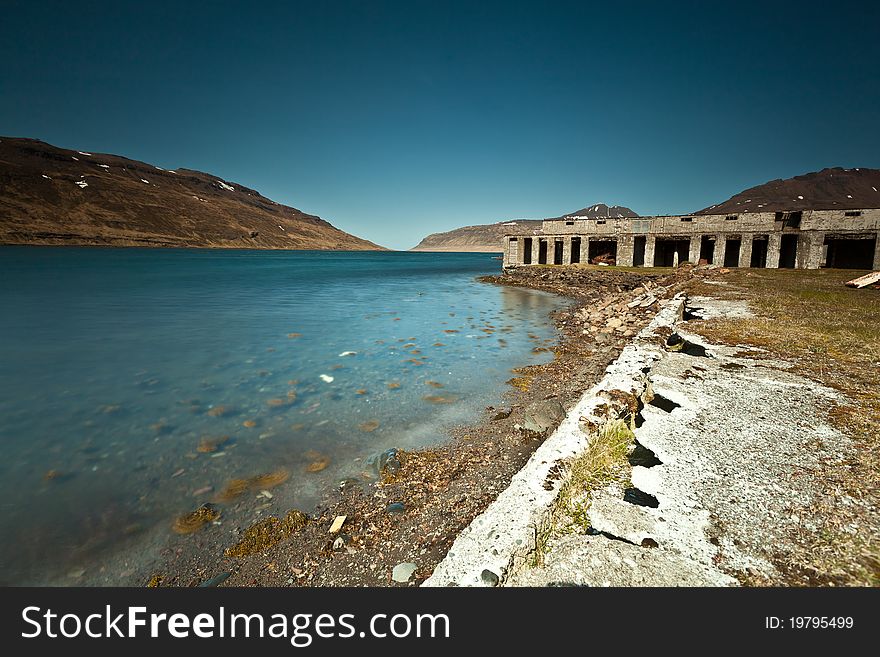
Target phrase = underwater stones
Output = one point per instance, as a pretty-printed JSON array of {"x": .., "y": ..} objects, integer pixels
[
  {"x": 450, "y": 330},
  {"x": 208, "y": 445},
  {"x": 237, "y": 487},
  {"x": 347, "y": 353},
  {"x": 361, "y": 391},
  {"x": 266, "y": 533},
  {"x": 402, "y": 572},
  {"x": 439, "y": 399},
  {"x": 326, "y": 378},
  {"x": 369, "y": 426},
  {"x": 319, "y": 463},
  {"x": 219, "y": 411},
  {"x": 195, "y": 520},
  {"x": 250, "y": 424},
  {"x": 293, "y": 336},
  {"x": 434, "y": 384},
  {"x": 394, "y": 385},
  {"x": 203, "y": 490}
]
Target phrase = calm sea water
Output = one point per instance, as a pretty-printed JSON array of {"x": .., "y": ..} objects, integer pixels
[{"x": 135, "y": 384}]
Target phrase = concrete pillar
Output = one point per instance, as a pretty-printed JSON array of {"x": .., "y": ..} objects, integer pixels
[
  {"x": 810, "y": 249},
  {"x": 506, "y": 261},
  {"x": 774, "y": 243},
  {"x": 585, "y": 250},
  {"x": 877, "y": 253},
  {"x": 566, "y": 250},
  {"x": 694, "y": 252},
  {"x": 720, "y": 248},
  {"x": 745, "y": 250},
  {"x": 650, "y": 242},
  {"x": 625, "y": 248},
  {"x": 536, "y": 249}
]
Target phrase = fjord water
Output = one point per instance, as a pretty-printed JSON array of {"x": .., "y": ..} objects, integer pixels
[{"x": 136, "y": 383}]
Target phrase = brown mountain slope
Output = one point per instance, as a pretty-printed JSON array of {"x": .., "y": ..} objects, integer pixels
[
  {"x": 488, "y": 238},
  {"x": 828, "y": 189},
  {"x": 51, "y": 195}
]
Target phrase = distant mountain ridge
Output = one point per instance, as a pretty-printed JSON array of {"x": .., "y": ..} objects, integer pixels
[
  {"x": 51, "y": 195},
  {"x": 828, "y": 189},
  {"x": 488, "y": 238}
]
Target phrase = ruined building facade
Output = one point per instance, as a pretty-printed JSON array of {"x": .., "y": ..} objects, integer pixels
[{"x": 802, "y": 239}]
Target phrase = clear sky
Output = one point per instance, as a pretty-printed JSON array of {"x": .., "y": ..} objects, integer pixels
[{"x": 395, "y": 120}]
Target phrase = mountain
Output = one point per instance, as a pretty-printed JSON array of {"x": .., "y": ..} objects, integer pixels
[
  {"x": 599, "y": 211},
  {"x": 51, "y": 195},
  {"x": 828, "y": 189},
  {"x": 488, "y": 238}
]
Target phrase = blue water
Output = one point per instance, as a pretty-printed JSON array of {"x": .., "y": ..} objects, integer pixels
[{"x": 116, "y": 364}]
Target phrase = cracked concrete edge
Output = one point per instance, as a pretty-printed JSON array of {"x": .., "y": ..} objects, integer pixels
[{"x": 503, "y": 537}]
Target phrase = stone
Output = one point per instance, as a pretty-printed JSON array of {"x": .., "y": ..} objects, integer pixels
[
  {"x": 395, "y": 507},
  {"x": 502, "y": 414},
  {"x": 489, "y": 578},
  {"x": 402, "y": 572},
  {"x": 543, "y": 415}
]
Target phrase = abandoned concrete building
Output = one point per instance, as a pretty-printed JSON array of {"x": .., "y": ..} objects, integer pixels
[{"x": 801, "y": 239}]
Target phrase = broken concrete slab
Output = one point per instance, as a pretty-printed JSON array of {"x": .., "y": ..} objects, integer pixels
[
  {"x": 578, "y": 560},
  {"x": 864, "y": 281}
]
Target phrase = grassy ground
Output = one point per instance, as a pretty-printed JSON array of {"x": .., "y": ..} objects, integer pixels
[{"x": 832, "y": 335}]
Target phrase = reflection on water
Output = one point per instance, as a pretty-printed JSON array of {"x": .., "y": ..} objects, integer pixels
[{"x": 138, "y": 384}]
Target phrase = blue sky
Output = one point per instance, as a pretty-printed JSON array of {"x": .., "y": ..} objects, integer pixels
[{"x": 395, "y": 120}]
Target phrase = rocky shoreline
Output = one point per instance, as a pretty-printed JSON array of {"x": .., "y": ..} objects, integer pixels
[{"x": 399, "y": 528}]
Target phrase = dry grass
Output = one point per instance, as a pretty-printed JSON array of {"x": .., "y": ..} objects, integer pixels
[{"x": 830, "y": 332}]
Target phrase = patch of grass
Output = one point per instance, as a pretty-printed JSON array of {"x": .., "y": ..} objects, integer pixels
[
  {"x": 830, "y": 333},
  {"x": 602, "y": 463}
]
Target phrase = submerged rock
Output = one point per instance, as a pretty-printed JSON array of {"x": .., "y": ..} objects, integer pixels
[
  {"x": 237, "y": 487},
  {"x": 194, "y": 521},
  {"x": 318, "y": 464}
]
